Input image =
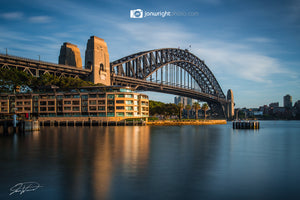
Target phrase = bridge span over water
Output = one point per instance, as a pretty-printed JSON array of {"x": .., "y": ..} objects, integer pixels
[{"x": 168, "y": 70}]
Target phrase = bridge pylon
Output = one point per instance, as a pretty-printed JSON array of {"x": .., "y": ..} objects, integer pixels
[
  {"x": 230, "y": 105},
  {"x": 97, "y": 59}
]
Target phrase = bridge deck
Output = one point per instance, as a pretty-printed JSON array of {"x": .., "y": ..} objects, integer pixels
[
  {"x": 158, "y": 87},
  {"x": 40, "y": 65}
]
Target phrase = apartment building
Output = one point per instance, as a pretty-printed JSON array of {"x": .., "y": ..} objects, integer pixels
[{"x": 101, "y": 102}]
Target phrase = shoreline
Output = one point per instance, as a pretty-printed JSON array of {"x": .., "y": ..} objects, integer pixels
[{"x": 179, "y": 123}]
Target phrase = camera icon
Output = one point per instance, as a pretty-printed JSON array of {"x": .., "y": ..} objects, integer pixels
[{"x": 137, "y": 13}]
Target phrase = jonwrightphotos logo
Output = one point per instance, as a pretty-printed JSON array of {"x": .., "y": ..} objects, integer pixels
[{"x": 139, "y": 13}]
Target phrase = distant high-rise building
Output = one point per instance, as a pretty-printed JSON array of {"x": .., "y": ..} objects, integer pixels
[
  {"x": 287, "y": 101},
  {"x": 274, "y": 105},
  {"x": 190, "y": 101},
  {"x": 183, "y": 100}
]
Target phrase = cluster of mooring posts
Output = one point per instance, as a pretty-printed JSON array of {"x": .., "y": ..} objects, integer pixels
[
  {"x": 245, "y": 125},
  {"x": 11, "y": 126}
]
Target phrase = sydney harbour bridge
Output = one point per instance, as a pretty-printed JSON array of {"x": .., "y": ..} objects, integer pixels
[{"x": 167, "y": 70}]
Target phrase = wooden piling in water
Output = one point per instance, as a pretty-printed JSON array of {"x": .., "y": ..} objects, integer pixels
[{"x": 245, "y": 125}]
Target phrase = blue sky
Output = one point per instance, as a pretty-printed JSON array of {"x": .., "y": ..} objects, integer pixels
[{"x": 252, "y": 47}]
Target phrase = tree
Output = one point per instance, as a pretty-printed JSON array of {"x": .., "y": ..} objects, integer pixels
[
  {"x": 180, "y": 106},
  {"x": 188, "y": 108},
  {"x": 12, "y": 78},
  {"x": 205, "y": 108},
  {"x": 196, "y": 107}
]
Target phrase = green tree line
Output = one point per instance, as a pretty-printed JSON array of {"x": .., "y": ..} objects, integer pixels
[
  {"x": 171, "y": 109},
  {"x": 10, "y": 79}
]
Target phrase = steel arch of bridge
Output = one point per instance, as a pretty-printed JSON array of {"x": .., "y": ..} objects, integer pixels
[
  {"x": 136, "y": 68},
  {"x": 143, "y": 64}
]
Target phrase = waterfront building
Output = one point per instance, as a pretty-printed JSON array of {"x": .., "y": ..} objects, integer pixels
[
  {"x": 287, "y": 101},
  {"x": 109, "y": 103},
  {"x": 274, "y": 105}
]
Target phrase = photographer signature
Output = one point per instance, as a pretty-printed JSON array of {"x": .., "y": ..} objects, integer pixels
[{"x": 24, "y": 187}]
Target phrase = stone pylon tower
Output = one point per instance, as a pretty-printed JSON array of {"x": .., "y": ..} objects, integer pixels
[
  {"x": 70, "y": 55},
  {"x": 230, "y": 105},
  {"x": 97, "y": 59}
]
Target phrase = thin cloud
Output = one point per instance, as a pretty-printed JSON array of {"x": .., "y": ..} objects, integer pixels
[
  {"x": 12, "y": 15},
  {"x": 40, "y": 19},
  {"x": 246, "y": 65},
  {"x": 259, "y": 40}
]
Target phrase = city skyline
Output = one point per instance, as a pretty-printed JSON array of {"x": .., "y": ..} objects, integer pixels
[{"x": 251, "y": 47}]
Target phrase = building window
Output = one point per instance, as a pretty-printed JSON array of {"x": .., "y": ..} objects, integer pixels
[
  {"x": 110, "y": 96},
  {"x": 135, "y": 97},
  {"x": 84, "y": 109},
  {"x": 92, "y": 96},
  {"x": 43, "y": 103},
  {"x": 110, "y": 108},
  {"x": 67, "y": 102},
  {"x": 93, "y": 102},
  {"x": 101, "y": 102},
  {"x": 101, "y": 95},
  {"x": 68, "y": 96},
  {"x": 76, "y": 96},
  {"x": 84, "y": 96},
  {"x": 93, "y": 108},
  {"x": 129, "y": 114},
  {"x": 75, "y": 102},
  {"x": 110, "y": 102},
  {"x": 120, "y": 101},
  {"x": 43, "y": 109},
  {"x": 129, "y": 96},
  {"x": 67, "y": 108},
  {"x": 102, "y": 114},
  {"x": 51, "y": 103},
  {"x": 129, "y": 108},
  {"x": 93, "y": 114},
  {"x": 51, "y": 109},
  {"x": 19, "y": 103},
  {"x": 75, "y": 108},
  {"x": 120, "y": 114},
  {"x": 101, "y": 107},
  {"x": 120, "y": 107},
  {"x": 129, "y": 102},
  {"x": 101, "y": 67},
  {"x": 110, "y": 114},
  {"x": 125, "y": 90},
  {"x": 120, "y": 95}
]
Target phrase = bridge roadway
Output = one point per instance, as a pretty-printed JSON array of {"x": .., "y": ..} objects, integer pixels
[
  {"x": 37, "y": 68},
  {"x": 140, "y": 84}
]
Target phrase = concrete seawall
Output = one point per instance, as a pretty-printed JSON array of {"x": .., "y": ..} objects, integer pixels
[{"x": 194, "y": 122}]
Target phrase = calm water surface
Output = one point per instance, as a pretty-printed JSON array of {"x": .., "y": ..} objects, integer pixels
[{"x": 179, "y": 162}]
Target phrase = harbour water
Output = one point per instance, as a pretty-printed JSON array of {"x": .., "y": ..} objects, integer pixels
[{"x": 154, "y": 162}]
